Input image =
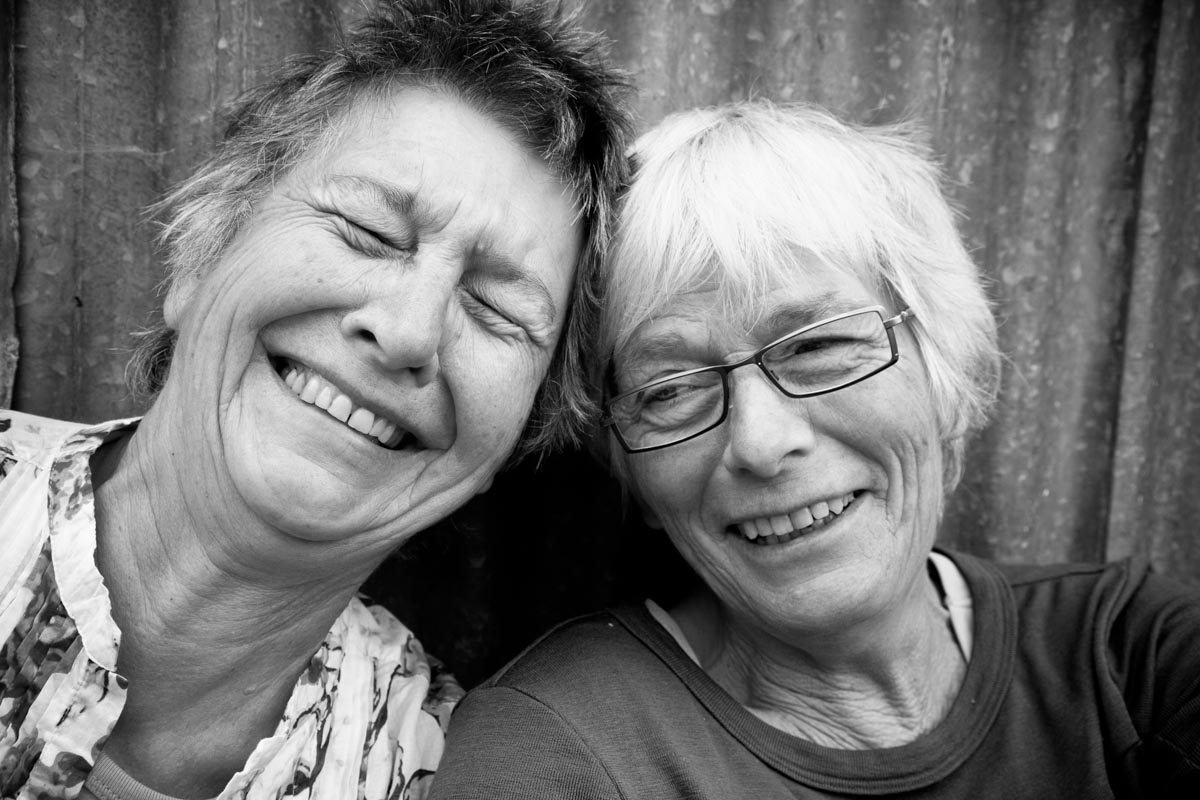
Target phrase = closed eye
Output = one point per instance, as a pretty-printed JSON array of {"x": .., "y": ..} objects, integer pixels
[
  {"x": 489, "y": 316},
  {"x": 367, "y": 241}
]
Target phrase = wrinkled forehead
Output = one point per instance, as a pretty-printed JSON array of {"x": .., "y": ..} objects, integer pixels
[{"x": 743, "y": 301}]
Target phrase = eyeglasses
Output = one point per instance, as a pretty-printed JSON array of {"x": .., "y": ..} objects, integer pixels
[{"x": 816, "y": 359}]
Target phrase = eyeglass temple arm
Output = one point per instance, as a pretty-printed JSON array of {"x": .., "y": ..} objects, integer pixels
[{"x": 903, "y": 316}]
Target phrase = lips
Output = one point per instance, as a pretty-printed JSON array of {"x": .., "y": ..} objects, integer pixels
[
  {"x": 779, "y": 528},
  {"x": 317, "y": 390}
]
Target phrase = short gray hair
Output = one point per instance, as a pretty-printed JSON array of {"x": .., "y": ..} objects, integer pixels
[
  {"x": 722, "y": 197},
  {"x": 524, "y": 64}
]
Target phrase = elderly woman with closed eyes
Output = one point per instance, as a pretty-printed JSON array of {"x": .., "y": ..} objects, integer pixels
[
  {"x": 795, "y": 347},
  {"x": 369, "y": 283}
]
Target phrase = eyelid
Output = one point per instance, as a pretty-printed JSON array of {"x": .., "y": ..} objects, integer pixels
[
  {"x": 384, "y": 242},
  {"x": 492, "y": 294},
  {"x": 503, "y": 323},
  {"x": 370, "y": 207}
]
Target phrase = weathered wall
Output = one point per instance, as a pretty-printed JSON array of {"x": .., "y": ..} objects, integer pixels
[
  {"x": 1070, "y": 133},
  {"x": 8, "y": 208}
]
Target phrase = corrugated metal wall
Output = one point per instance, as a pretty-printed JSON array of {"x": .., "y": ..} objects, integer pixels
[{"x": 1071, "y": 132}]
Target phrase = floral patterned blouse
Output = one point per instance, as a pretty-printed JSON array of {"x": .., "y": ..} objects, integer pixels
[{"x": 366, "y": 720}]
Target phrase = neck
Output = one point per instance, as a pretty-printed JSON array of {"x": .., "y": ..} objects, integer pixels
[
  {"x": 881, "y": 683},
  {"x": 216, "y": 633}
]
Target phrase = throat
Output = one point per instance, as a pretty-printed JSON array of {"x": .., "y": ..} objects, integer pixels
[
  {"x": 844, "y": 716},
  {"x": 875, "y": 698}
]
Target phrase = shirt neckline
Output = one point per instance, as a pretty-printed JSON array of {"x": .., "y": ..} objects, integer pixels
[{"x": 908, "y": 767}]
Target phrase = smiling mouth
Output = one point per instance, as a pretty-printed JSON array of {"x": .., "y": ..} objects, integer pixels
[
  {"x": 782, "y": 528},
  {"x": 317, "y": 391}
]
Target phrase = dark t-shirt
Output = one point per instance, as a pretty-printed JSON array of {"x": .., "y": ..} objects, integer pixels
[{"x": 1084, "y": 682}]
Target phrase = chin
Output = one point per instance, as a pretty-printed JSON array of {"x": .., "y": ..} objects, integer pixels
[{"x": 312, "y": 500}]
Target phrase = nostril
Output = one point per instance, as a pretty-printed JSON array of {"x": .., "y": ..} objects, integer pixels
[{"x": 392, "y": 340}]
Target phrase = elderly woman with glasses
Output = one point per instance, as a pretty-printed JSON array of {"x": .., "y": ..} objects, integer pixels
[{"x": 796, "y": 346}]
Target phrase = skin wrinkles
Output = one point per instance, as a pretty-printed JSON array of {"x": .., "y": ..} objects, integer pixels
[
  {"x": 658, "y": 347},
  {"x": 836, "y": 636},
  {"x": 533, "y": 292},
  {"x": 292, "y": 219},
  {"x": 360, "y": 200},
  {"x": 395, "y": 202},
  {"x": 269, "y": 492},
  {"x": 831, "y": 704},
  {"x": 651, "y": 344},
  {"x": 789, "y": 317}
]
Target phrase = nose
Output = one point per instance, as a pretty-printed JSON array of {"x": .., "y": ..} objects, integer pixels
[
  {"x": 765, "y": 426},
  {"x": 403, "y": 319}
]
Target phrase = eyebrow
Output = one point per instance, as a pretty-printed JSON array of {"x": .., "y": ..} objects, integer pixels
[
  {"x": 812, "y": 309},
  {"x": 784, "y": 318},
  {"x": 504, "y": 270},
  {"x": 667, "y": 343},
  {"x": 399, "y": 202}
]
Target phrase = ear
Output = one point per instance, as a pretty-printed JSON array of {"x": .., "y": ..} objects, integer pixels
[
  {"x": 179, "y": 296},
  {"x": 483, "y": 487}
]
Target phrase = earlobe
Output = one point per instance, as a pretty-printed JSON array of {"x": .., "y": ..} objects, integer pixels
[{"x": 179, "y": 296}]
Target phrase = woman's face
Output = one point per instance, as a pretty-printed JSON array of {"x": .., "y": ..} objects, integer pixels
[
  {"x": 724, "y": 497},
  {"x": 365, "y": 354}
]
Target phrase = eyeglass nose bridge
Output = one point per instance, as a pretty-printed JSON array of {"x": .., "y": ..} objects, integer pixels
[{"x": 726, "y": 373}]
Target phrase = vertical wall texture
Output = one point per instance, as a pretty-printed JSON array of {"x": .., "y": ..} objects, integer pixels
[
  {"x": 8, "y": 207},
  {"x": 1070, "y": 133}
]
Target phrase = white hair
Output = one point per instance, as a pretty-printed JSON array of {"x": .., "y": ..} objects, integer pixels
[{"x": 723, "y": 198}]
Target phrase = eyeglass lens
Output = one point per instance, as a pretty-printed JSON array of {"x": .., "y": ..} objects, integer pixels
[{"x": 820, "y": 359}]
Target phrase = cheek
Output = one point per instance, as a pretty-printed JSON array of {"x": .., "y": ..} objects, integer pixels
[
  {"x": 494, "y": 385},
  {"x": 893, "y": 417},
  {"x": 915, "y": 434},
  {"x": 908, "y": 446}
]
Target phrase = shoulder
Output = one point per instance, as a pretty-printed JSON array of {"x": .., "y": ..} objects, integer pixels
[
  {"x": 394, "y": 657},
  {"x": 1069, "y": 584},
  {"x": 603, "y": 680},
  {"x": 50, "y": 447},
  {"x": 371, "y": 683},
  {"x": 28, "y": 438},
  {"x": 1127, "y": 633},
  {"x": 580, "y": 658},
  {"x": 567, "y": 698},
  {"x": 1109, "y": 592},
  {"x": 1106, "y": 598},
  {"x": 1119, "y": 621},
  {"x": 1082, "y": 573}
]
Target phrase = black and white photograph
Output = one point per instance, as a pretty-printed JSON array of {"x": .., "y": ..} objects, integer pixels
[{"x": 599, "y": 399}]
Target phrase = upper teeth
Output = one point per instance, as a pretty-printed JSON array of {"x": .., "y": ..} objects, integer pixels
[
  {"x": 316, "y": 390},
  {"x": 781, "y": 524}
]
